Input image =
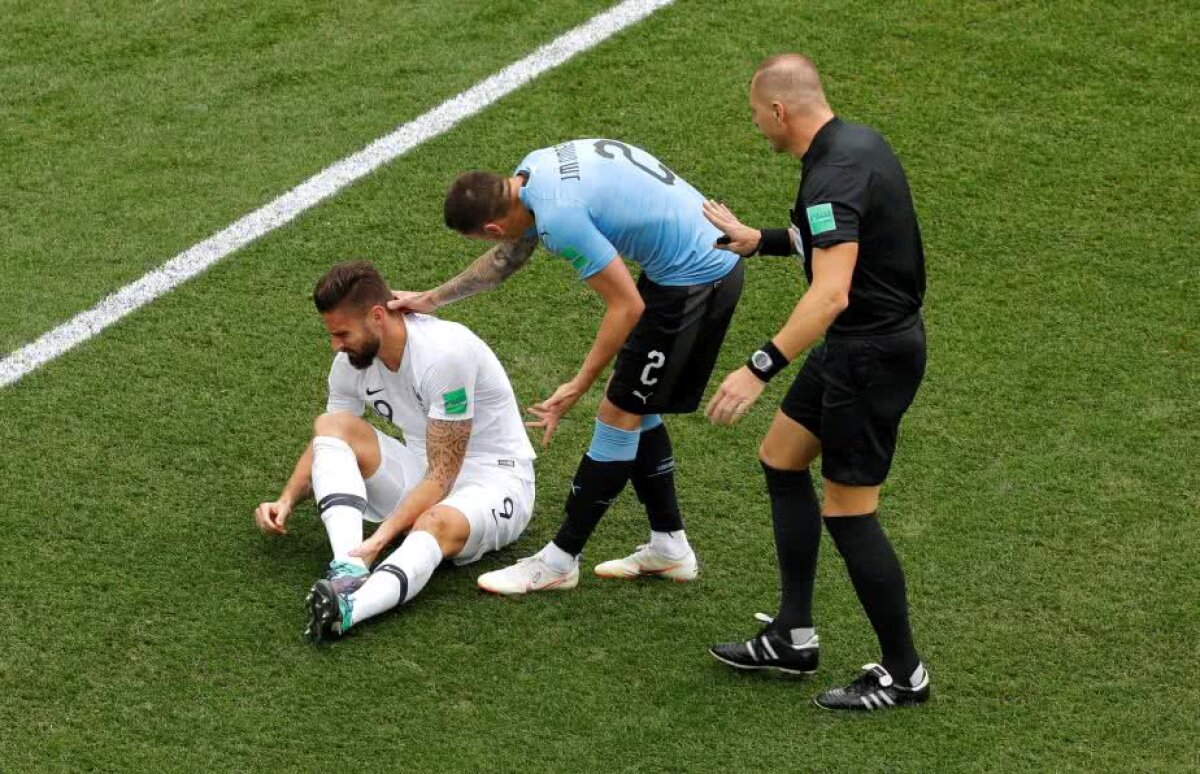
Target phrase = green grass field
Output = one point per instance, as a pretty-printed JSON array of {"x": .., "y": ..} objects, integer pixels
[{"x": 1043, "y": 499}]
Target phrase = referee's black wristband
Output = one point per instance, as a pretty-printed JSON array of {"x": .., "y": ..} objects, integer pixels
[
  {"x": 775, "y": 241},
  {"x": 767, "y": 361}
]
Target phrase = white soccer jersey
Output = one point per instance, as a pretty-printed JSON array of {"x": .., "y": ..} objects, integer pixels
[{"x": 446, "y": 373}]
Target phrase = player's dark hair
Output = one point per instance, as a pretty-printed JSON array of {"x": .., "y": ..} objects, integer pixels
[
  {"x": 354, "y": 282},
  {"x": 475, "y": 198}
]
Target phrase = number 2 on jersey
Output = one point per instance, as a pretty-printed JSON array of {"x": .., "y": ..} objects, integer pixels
[{"x": 666, "y": 177}]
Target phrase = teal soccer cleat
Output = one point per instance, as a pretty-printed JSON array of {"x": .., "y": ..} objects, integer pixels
[
  {"x": 346, "y": 577},
  {"x": 329, "y": 613}
]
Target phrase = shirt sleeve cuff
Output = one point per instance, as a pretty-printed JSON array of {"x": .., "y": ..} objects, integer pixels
[{"x": 597, "y": 267}]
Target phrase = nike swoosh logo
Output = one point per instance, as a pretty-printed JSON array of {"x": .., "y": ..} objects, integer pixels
[{"x": 373, "y": 392}]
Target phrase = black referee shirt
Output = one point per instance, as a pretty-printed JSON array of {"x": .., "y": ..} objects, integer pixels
[{"x": 853, "y": 189}]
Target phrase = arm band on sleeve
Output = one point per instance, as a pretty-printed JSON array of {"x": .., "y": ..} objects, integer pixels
[
  {"x": 775, "y": 241},
  {"x": 767, "y": 361}
]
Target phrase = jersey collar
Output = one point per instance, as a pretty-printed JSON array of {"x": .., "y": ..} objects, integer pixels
[
  {"x": 523, "y": 191},
  {"x": 821, "y": 141},
  {"x": 523, "y": 196}
]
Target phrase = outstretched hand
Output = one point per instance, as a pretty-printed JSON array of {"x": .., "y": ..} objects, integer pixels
[
  {"x": 739, "y": 238},
  {"x": 735, "y": 396},
  {"x": 551, "y": 410}
]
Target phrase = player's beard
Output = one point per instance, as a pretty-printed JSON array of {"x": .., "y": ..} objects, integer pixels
[{"x": 363, "y": 357}]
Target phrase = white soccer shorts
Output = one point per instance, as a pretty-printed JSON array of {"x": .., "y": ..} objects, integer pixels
[{"x": 496, "y": 498}]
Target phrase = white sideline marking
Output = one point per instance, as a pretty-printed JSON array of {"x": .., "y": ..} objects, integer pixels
[{"x": 321, "y": 186}]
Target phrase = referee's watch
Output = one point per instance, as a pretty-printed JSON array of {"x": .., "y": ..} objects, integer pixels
[{"x": 766, "y": 361}]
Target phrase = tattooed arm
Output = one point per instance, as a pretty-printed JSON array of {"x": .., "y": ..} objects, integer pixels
[
  {"x": 488, "y": 271},
  {"x": 446, "y": 448}
]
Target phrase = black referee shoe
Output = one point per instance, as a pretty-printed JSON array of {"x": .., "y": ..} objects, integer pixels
[
  {"x": 875, "y": 689},
  {"x": 770, "y": 650}
]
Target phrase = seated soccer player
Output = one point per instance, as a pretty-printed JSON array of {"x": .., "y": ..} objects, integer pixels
[{"x": 460, "y": 485}]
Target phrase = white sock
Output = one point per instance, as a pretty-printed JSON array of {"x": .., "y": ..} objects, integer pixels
[
  {"x": 416, "y": 558},
  {"x": 341, "y": 495},
  {"x": 557, "y": 559},
  {"x": 673, "y": 545},
  {"x": 801, "y": 635}
]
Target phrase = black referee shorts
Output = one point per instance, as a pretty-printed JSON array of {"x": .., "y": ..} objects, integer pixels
[
  {"x": 667, "y": 359},
  {"x": 851, "y": 393}
]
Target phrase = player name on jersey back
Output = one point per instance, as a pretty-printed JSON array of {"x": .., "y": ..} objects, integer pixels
[{"x": 596, "y": 199}]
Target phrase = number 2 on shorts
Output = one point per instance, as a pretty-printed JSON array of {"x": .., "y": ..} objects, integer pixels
[{"x": 654, "y": 360}]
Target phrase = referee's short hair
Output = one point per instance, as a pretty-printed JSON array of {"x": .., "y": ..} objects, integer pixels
[
  {"x": 790, "y": 78},
  {"x": 354, "y": 283},
  {"x": 474, "y": 199}
]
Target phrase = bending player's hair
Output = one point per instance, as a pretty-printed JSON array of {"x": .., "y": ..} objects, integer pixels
[
  {"x": 356, "y": 283},
  {"x": 475, "y": 198}
]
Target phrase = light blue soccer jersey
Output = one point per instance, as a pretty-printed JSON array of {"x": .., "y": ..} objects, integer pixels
[{"x": 595, "y": 199}]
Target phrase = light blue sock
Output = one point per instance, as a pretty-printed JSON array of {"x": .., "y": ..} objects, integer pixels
[
  {"x": 612, "y": 444},
  {"x": 651, "y": 421}
]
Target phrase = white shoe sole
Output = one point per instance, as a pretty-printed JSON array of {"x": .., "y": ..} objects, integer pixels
[
  {"x": 764, "y": 668},
  {"x": 676, "y": 572},
  {"x": 563, "y": 584}
]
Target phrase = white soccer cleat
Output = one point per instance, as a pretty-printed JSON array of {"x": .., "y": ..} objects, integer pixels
[
  {"x": 528, "y": 574},
  {"x": 647, "y": 561}
]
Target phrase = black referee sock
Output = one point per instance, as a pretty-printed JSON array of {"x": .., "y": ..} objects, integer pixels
[
  {"x": 879, "y": 582},
  {"x": 654, "y": 480},
  {"x": 595, "y": 486},
  {"x": 796, "y": 515}
]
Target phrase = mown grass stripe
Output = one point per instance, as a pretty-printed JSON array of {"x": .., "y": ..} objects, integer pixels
[{"x": 321, "y": 186}]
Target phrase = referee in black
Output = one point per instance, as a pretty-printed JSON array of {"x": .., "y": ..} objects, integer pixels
[{"x": 856, "y": 228}]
